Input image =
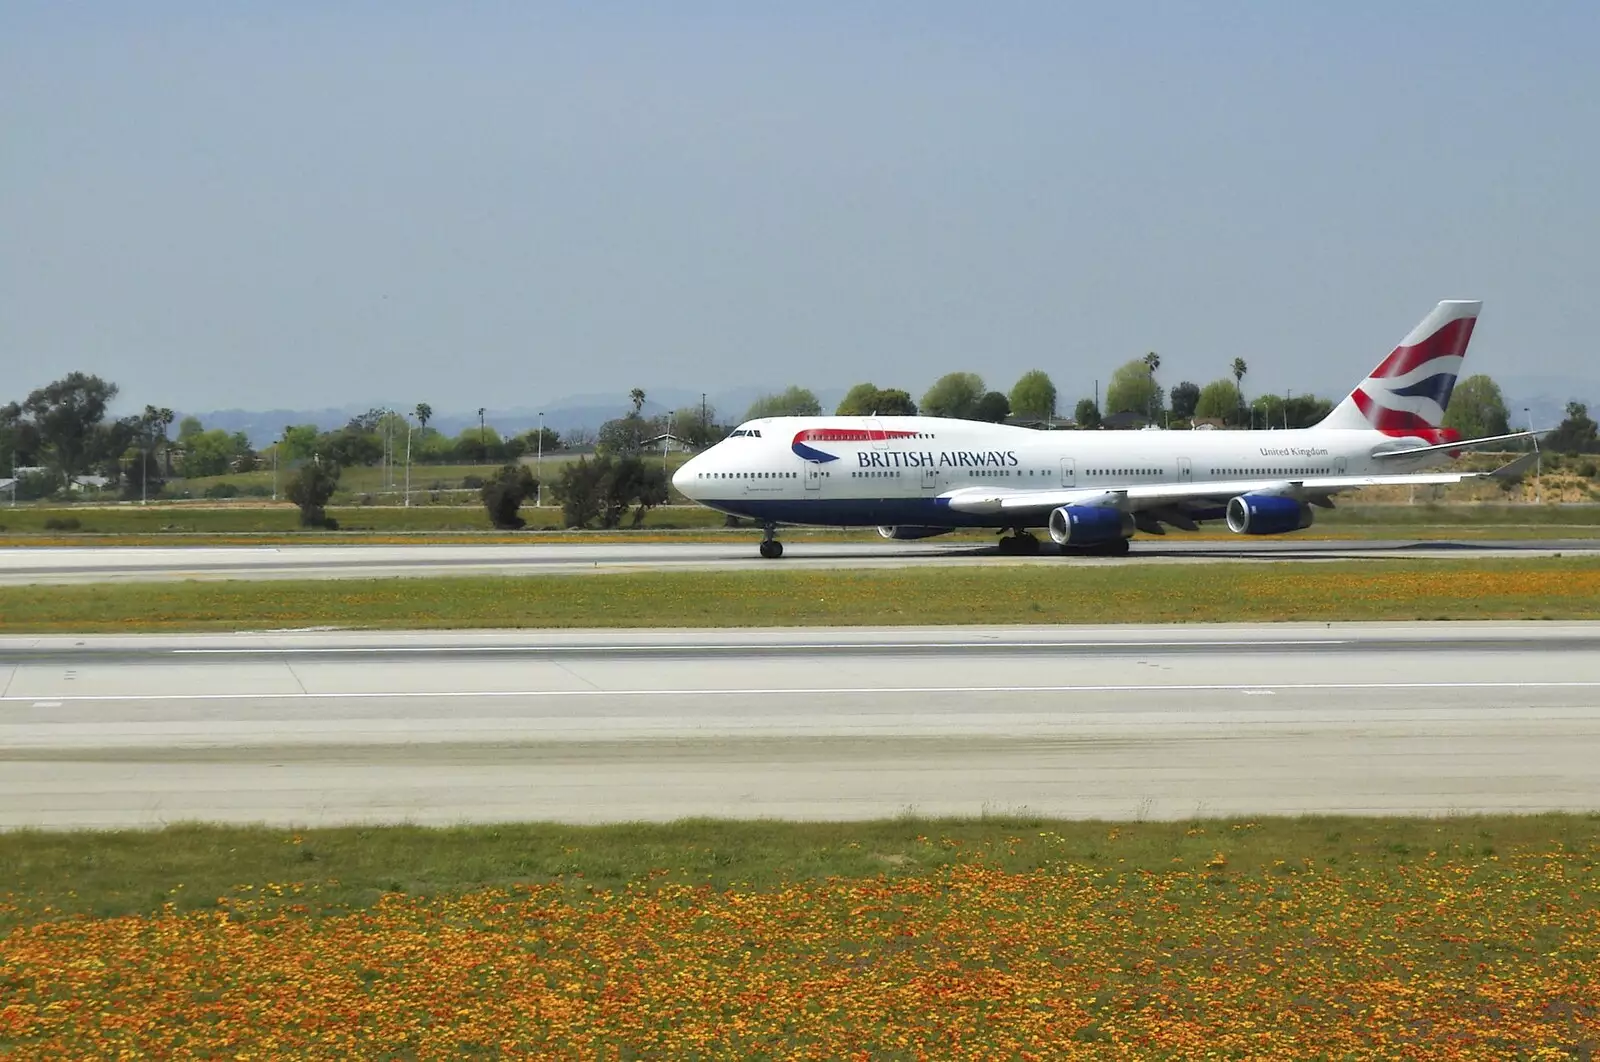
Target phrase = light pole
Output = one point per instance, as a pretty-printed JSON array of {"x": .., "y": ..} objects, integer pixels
[
  {"x": 408, "y": 461},
  {"x": 483, "y": 442},
  {"x": 1288, "y": 393},
  {"x": 538, "y": 468},
  {"x": 1538, "y": 458}
]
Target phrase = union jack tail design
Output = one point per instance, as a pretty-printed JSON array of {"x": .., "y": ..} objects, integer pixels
[{"x": 1408, "y": 393}]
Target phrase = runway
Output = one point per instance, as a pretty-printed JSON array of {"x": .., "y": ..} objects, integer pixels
[
  {"x": 43, "y": 565},
  {"x": 1126, "y": 722}
]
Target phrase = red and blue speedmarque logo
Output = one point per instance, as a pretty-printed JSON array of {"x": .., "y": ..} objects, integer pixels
[{"x": 834, "y": 435}]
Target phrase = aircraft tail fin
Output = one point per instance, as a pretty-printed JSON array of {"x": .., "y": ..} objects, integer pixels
[{"x": 1407, "y": 394}]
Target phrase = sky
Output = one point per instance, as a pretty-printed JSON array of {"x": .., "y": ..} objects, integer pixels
[{"x": 304, "y": 205}]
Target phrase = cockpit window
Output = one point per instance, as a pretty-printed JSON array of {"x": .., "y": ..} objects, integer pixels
[{"x": 744, "y": 431}]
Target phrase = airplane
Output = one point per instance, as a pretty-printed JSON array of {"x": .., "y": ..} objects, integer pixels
[{"x": 917, "y": 477}]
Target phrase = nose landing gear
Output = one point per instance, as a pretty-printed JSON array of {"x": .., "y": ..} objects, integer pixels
[{"x": 771, "y": 548}]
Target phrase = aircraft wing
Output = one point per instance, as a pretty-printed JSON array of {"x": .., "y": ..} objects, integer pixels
[{"x": 1135, "y": 498}]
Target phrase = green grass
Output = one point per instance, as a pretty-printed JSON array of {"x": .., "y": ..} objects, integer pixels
[
  {"x": 265, "y": 519},
  {"x": 49, "y": 875},
  {"x": 1388, "y": 589}
]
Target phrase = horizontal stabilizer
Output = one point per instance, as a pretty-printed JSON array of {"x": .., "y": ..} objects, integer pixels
[{"x": 1461, "y": 444}]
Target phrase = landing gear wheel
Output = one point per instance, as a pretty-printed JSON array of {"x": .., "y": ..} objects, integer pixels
[
  {"x": 1116, "y": 548},
  {"x": 1027, "y": 545},
  {"x": 1020, "y": 544},
  {"x": 771, "y": 548}
]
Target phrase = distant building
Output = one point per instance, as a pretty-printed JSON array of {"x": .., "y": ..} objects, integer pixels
[{"x": 1124, "y": 421}]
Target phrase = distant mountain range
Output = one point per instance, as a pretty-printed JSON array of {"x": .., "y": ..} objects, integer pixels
[
  {"x": 1544, "y": 397},
  {"x": 574, "y": 411}
]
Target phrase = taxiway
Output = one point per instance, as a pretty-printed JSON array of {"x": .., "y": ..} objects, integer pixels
[{"x": 1121, "y": 722}]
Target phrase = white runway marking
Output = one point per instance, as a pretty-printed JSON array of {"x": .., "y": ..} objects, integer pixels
[
  {"x": 780, "y": 647},
  {"x": 1252, "y": 688}
]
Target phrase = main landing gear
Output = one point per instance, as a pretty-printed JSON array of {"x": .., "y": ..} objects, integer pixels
[
  {"x": 771, "y": 548},
  {"x": 1019, "y": 544}
]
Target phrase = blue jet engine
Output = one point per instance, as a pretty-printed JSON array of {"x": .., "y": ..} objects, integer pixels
[
  {"x": 1089, "y": 525},
  {"x": 1267, "y": 514}
]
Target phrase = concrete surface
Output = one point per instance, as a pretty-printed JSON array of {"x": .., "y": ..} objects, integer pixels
[
  {"x": 580, "y": 726},
  {"x": 24, "y": 565}
]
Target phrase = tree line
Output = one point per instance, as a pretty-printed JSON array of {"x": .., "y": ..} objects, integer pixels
[{"x": 65, "y": 431}]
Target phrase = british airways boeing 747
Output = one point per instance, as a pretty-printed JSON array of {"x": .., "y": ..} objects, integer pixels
[{"x": 915, "y": 477}]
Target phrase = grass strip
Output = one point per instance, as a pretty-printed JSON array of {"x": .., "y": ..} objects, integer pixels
[
  {"x": 1012, "y": 938},
  {"x": 111, "y": 873},
  {"x": 1531, "y": 588}
]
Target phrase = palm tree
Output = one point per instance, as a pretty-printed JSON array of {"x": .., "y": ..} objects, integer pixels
[
  {"x": 1152, "y": 362},
  {"x": 1239, "y": 369},
  {"x": 637, "y": 396},
  {"x": 424, "y": 414}
]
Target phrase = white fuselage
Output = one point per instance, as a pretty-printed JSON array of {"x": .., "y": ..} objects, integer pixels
[{"x": 859, "y": 471}]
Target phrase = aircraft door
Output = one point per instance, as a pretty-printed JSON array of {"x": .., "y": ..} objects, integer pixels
[
  {"x": 1069, "y": 472},
  {"x": 813, "y": 477},
  {"x": 1338, "y": 466},
  {"x": 1185, "y": 470},
  {"x": 930, "y": 480}
]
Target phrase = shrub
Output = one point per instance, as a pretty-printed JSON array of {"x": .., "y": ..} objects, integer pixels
[
  {"x": 61, "y": 523},
  {"x": 222, "y": 490},
  {"x": 310, "y": 488},
  {"x": 504, "y": 494}
]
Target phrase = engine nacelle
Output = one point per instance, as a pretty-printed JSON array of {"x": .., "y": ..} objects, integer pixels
[
  {"x": 1267, "y": 514},
  {"x": 1089, "y": 525},
  {"x": 905, "y": 534}
]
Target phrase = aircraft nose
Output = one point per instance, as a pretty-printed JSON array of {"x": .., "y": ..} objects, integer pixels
[{"x": 682, "y": 478}]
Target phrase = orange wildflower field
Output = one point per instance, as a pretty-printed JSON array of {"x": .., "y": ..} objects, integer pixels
[
  {"x": 1379, "y": 588},
  {"x": 1460, "y": 952}
]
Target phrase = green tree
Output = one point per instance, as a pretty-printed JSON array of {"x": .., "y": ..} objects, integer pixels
[
  {"x": 1034, "y": 395},
  {"x": 504, "y": 494},
  {"x": 626, "y": 435},
  {"x": 299, "y": 442},
  {"x": 790, "y": 402},
  {"x": 350, "y": 446},
  {"x": 605, "y": 488},
  {"x": 19, "y": 440},
  {"x": 993, "y": 408},
  {"x": 697, "y": 427},
  {"x": 867, "y": 399},
  {"x": 1217, "y": 400},
  {"x": 1477, "y": 408},
  {"x": 1086, "y": 413},
  {"x": 1185, "y": 397},
  {"x": 477, "y": 445},
  {"x": 954, "y": 395},
  {"x": 577, "y": 487},
  {"x": 212, "y": 453},
  {"x": 1577, "y": 434},
  {"x": 312, "y": 484},
  {"x": 188, "y": 428},
  {"x": 1133, "y": 389},
  {"x": 636, "y": 396},
  {"x": 67, "y": 416},
  {"x": 423, "y": 413}
]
